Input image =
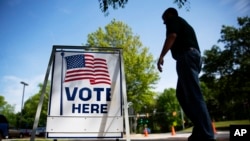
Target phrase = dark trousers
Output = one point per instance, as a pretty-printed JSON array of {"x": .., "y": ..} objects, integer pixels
[{"x": 189, "y": 94}]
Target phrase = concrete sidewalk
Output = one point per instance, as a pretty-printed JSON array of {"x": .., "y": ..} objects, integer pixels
[{"x": 179, "y": 136}]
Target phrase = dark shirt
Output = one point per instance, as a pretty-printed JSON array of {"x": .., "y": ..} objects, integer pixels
[{"x": 186, "y": 37}]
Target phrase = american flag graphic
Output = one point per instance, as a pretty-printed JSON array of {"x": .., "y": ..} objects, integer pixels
[{"x": 87, "y": 67}]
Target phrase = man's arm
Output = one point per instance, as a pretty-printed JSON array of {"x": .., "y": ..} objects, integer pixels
[{"x": 167, "y": 45}]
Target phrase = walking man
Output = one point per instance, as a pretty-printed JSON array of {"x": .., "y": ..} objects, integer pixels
[{"x": 182, "y": 41}]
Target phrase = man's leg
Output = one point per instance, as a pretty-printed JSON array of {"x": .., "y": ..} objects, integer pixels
[{"x": 188, "y": 68}]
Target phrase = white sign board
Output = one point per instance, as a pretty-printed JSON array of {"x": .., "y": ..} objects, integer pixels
[{"x": 86, "y": 95}]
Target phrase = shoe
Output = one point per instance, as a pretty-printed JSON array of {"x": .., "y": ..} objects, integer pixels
[{"x": 191, "y": 138}]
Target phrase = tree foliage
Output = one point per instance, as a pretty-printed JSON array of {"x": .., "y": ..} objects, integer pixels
[
  {"x": 30, "y": 108},
  {"x": 104, "y": 4},
  {"x": 115, "y": 4},
  {"x": 168, "y": 110},
  {"x": 2, "y": 102},
  {"x": 8, "y": 111},
  {"x": 226, "y": 71},
  {"x": 140, "y": 71}
]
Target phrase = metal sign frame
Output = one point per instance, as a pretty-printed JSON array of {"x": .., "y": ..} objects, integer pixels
[{"x": 58, "y": 48}]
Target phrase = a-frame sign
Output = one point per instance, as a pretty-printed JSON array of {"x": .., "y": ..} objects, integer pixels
[{"x": 88, "y": 94}]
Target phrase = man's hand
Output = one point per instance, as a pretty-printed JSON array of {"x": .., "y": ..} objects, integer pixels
[
  {"x": 160, "y": 63},
  {"x": 169, "y": 41}
]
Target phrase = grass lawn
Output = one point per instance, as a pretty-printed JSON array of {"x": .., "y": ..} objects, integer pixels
[{"x": 224, "y": 125}]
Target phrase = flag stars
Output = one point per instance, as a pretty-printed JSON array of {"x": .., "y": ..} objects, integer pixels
[{"x": 76, "y": 61}]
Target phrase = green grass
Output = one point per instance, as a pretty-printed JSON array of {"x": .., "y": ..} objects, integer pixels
[
  {"x": 224, "y": 125},
  {"x": 228, "y": 123}
]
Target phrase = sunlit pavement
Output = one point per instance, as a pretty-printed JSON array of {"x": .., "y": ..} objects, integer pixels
[
  {"x": 220, "y": 136},
  {"x": 179, "y": 136}
]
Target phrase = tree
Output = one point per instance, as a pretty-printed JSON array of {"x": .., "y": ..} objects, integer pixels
[
  {"x": 211, "y": 101},
  {"x": 8, "y": 111},
  {"x": 168, "y": 110},
  {"x": 105, "y": 4},
  {"x": 226, "y": 71},
  {"x": 140, "y": 71},
  {"x": 30, "y": 108},
  {"x": 2, "y": 102}
]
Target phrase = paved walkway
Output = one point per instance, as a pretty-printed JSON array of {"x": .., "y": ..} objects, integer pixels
[
  {"x": 179, "y": 136},
  {"x": 220, "y": 136}
]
